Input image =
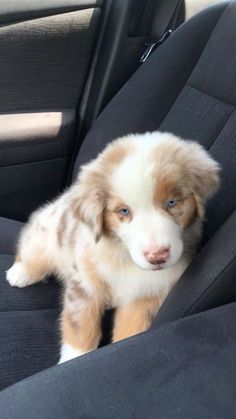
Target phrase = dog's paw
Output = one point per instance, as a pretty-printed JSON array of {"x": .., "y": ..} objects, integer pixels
[
  {"x": 68, "y": 352},
  {"x": 17, "y": 276}
]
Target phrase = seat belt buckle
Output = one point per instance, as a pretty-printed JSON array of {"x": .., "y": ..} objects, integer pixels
[{"x": 150, "y": 46}]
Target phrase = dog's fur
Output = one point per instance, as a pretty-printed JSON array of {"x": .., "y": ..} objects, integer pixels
[{"x": 96, "y": 235}]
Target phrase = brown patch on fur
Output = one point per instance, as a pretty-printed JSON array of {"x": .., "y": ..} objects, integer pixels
[
  {"x": 88, "y": 204},
  {"x": 84, "y": 332},
  {"x": 75, "y": 292},
  {"x": 112, "y": 217},
  {"x": 135, "y": 318},
  {"x": 110, "y": 222},
  {"x": 166, "y": 189},
  {"x": 185, "y": 211},
  {"x": 82, "y": 315},
  {"x": 62, "y": 227},
  {"x": 187, "y": 166},
  {"x": 101, "y": 288},
  {"x": 17, "y": 258},
  {"x": 81, "y": 320},
  {"x": 72, "y": 237},
  {"x": 186, "y": 173},
  {"x": 114, "y": 154},
  {"x": 92, "y": 190},
  {"x": 200, "y": 206},
  {"x": 37, "y": 267}
]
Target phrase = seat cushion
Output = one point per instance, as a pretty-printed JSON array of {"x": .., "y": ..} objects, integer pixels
[
  {"x": 29, "y": 331},
  {"x": 29, "y": 337},
  {"x": 9, "y": 231},
  {"x": 37, "y": 297},
  {"x": 29, "y": 343},
  {"x": 181, "y": 370}
]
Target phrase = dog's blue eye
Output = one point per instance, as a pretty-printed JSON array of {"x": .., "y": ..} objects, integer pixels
[
  {"x": 124, "y": 211},
  {"x": 171, "y": 203}
]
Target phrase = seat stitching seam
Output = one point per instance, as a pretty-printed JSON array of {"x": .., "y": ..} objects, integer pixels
[
  {"x": 26, "y": 311},
  {"x": 186, "y": 312},
  {"x": 210, "y": 95},
  {"x": 193, "y": 68},
  {"x": 222, "y": 128}
]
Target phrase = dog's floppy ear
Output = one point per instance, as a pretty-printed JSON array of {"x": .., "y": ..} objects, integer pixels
[
  {"x": 204, "y": 175},
  {"x": 89, "y": 198}
]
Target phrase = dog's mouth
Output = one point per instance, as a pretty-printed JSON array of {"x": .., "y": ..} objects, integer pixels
[{"x": 158, "y": 267}]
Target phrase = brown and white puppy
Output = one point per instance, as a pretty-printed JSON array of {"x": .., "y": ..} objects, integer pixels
[{"x": 121, "y": 236}]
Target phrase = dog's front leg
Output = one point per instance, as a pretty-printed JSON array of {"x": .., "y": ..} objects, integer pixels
[
  {"x": 135, "y": 318},
  {"x": 80, "y": 322}
]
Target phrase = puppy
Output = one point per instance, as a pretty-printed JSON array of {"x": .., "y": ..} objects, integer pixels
[{"x": 121, "y": 236}]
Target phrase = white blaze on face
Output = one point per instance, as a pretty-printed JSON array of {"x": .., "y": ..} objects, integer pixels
[{"x": 134, "y": 182}]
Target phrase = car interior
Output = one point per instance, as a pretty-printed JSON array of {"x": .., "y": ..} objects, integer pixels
[{"x": 74, "y": 75}]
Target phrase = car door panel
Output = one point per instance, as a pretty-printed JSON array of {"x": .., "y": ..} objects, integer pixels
[
  {"x": 44, "y": 61},
  {"x": 25, "y": 185},
  {"x": 61, "y": 61},
  {"x": 13, "y": 10},
  {"x": 29, "y": 137}
]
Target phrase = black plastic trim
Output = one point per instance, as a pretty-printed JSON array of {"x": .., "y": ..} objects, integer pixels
[{"x": 14, "y": 10}]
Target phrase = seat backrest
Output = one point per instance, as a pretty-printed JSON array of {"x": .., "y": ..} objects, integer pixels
[{"x": 188, "y": 87}]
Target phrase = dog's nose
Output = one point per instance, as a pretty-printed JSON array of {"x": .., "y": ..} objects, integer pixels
[{"x": 157, "y": 255}]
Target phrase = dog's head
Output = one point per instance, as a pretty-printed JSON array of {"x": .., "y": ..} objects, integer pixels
[{"x": 147, "y": 190}]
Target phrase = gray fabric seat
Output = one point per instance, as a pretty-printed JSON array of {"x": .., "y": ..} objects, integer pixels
[
  {"x": 9, "y": 232},
  {"x": 187, "y": 87},
  {"x": 26, "y": 316},
  {"x": 41, "y": 296},
  {"x": 181, "y": 370}
]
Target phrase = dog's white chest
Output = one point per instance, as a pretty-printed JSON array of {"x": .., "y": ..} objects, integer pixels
[{"x": 130, "y": 284}]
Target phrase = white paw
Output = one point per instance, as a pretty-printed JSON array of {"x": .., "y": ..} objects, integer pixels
[
  {"x": 17, "y": 276},
  {"x": 68, "y": 352}
]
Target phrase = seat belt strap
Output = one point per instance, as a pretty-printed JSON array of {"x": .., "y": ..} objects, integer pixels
[{"x": 163, "y": 24}]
